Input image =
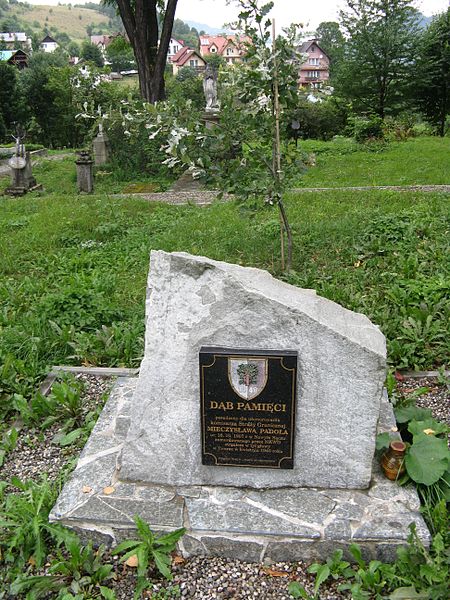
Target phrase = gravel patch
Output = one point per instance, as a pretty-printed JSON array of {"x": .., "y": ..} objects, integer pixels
[
  {"x": 436, "y": 398},
  {"x": 209, "y": 578},
  {"x": 203, "y": 578},
  {"x": 37, "y": 452}
]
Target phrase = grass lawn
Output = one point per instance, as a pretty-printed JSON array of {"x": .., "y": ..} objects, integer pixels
[
  {"x": 73, "y": 269},
  {"x": 342, "y": 162},
  {"x": 72, "y": 290},
  {"x": 130, "y": 82}
]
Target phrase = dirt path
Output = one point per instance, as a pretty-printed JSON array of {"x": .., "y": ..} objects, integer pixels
[
  {"x": 365, "y": 188},
  {"x": 201, "y": 197}
]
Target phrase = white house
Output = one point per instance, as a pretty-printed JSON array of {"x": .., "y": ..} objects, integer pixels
[
  {"x": 48, "y": 44},
  {"x": 174, "y": 47}
]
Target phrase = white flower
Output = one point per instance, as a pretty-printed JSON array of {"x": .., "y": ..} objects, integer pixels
[
  {"x": 154, "y": 134},
  {"x": 127, "y": 133}
]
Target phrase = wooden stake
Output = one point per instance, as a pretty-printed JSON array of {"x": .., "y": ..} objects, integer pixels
[{"x": 284, "y": 224}]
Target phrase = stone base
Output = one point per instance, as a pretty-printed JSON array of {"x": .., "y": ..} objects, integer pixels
[
  {"x": 211, "y": 117},
  {"x": 21, "y": 191},
  {"x": 253, "y": 525}
]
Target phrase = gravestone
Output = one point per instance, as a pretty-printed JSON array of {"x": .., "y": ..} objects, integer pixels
[
  {"x": 101, "y": 148},
  {"x": 22, "y": 180},
  {"x": 85, "y": 173},
  {"x": 252, "y": 424}
]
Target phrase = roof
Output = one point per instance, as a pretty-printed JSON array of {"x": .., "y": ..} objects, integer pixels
[
  {"x": 220, "y": 42},
  {"x": 18, "y": 36},
  {"x": 6, "y": 54},
  {"x": 183, "y": 55},
  {"x": 48, "y": 40},
  {"x": 305, "y": 46}
]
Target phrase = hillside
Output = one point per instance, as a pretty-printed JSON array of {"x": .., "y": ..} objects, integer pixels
[{"x": 72, "y": 21}]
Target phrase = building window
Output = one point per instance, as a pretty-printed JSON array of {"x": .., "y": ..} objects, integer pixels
[
  {"x": 314, "y": 61},
  {"x": 313, "y": 74},
  {"x": 213, "y": 49},
  {"x": 193, "y": 63},
  {"x": 229, "y": 51}
]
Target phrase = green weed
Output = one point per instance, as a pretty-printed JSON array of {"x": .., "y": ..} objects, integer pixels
[
  {"x": 26, "y": 533},
  {"x": 149, "y": 549},
  {"x": 77, "y": 572}
]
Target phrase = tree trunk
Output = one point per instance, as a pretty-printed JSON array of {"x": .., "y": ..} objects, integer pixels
[{"x": 140, "y": 20}]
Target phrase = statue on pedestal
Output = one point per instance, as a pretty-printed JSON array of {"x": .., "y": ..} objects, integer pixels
[{"x": 210, "y": 89}]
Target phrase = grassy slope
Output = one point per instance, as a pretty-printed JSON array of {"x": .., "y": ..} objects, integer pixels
[
  {"x": 415, "y": 161},
  {"x": 73, "y": 270},
  {"x": 71, "y": 21}
]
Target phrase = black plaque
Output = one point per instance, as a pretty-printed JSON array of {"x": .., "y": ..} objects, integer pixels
[{"x": 248, "y": 402}]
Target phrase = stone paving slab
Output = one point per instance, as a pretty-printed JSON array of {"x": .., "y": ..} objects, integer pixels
[{"x": 248, "y": 524}]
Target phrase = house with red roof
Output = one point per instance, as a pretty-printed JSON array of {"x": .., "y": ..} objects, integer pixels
[
  {"x": 231, "y": 47},
  {"x": 174, "y": 47},
  {"x": 187, "y": 57}
]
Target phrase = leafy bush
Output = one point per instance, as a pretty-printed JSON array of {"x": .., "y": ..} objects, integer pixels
[
  {"x": 366, "y": 128},
  {"x": 321, "y": 120},
  {"x": 134, "y": 152},
  {"x": 186, "y": 85}
]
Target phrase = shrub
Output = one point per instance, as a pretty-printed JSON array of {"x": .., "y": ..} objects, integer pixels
[
  {"x": 366, "y": 128},
  {"x": 320, "y": 120}
]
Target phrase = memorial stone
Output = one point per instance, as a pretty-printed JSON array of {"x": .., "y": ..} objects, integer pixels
[
  {"x": 252, "y": 424},
  {"x": 101, "y": 148},
  {"x": 22, "y": 180},
  {"x": 85, "y": 174}
]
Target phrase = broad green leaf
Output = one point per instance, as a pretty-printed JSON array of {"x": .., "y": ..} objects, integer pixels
[
  {"x": 427, "y": 459},
  {"x": 383, "y": 440},
  {"x": 170, "y": 538},
  {"x": 322, "y": 575},
  {"x": 107, "y": 593},
  {"x": 69, "y": 438},
  {"x": 125, "y": 545},
  {"x": 403, "y": 414},
  {"x": 408, "y": 593},
  {"x": 161, "y": 564},
  {"x": 297, "y": 591},
  {"x": 418, "y": 427}
]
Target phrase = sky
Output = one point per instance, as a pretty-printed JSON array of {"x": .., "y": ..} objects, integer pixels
[{"x": 216, "y": 13}]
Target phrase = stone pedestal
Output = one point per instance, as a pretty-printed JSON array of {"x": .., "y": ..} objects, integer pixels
[
  {"x": 282, "y": 524},
  {"x": 101, "y": 149},
  {"x": 211, "y": 118},
  {"x": 85, "y": 174},
  {"x": 147, "y": 444}
]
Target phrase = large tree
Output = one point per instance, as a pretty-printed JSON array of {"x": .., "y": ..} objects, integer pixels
[
  {"x": 331, "y": 39},
  {"x": 381, "y": 44},
  {"x": 433, "y": 72},
  {"x": 140, "y": 19}
]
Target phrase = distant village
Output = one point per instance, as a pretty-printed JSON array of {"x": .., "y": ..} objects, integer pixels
[{"x": 231, "y": 48}]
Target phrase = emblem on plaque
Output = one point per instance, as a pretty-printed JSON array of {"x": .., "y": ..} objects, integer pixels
[{"x": 247, "y": 376}]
